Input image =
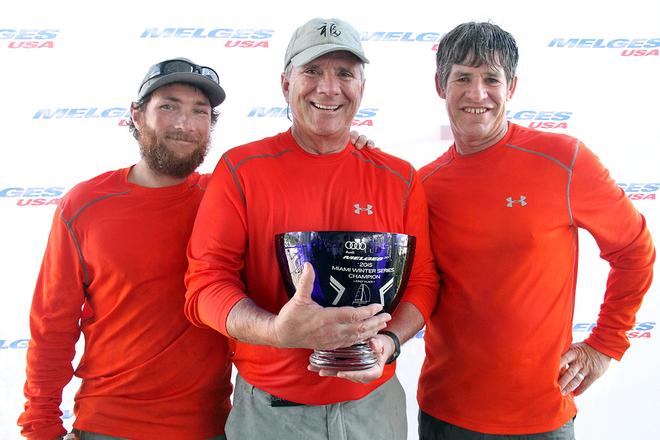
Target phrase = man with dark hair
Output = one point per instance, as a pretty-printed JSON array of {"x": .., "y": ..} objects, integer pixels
[
  {"x": 308, "y": 178},
  {"x": 500, "y": 362},
  {"x": 113, "y": 270}
]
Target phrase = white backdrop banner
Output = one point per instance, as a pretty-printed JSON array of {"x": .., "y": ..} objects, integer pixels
[{"x": 69, "y": 70}]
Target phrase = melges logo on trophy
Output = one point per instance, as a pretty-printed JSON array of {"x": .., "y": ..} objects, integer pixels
[{"x": 352, "y": 268}]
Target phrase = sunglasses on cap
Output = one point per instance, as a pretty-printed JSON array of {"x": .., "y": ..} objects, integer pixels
[{"x": 181, "y": 66}]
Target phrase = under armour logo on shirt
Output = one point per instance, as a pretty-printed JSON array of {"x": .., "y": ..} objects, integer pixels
[
  {"x": 358, "y": 209},
  {"x": 510, "y": 201}
]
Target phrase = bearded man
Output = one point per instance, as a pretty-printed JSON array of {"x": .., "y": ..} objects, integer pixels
[{"x": 113, "y": 270}]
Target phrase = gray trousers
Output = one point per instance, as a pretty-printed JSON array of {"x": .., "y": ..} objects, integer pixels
[
  {"x": 381, "y": 415},
  {"x": 84, "y": 435},
  {"x": 431, "y": 428}
]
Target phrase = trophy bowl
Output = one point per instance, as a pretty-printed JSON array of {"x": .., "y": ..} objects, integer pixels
[{"x": 352, "y": 268}]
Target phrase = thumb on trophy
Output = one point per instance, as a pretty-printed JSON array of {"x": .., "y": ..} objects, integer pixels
[{"x": 305, "y": 283}]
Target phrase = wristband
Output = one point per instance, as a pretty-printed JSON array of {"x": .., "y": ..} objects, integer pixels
[{"x": 397, "y": 345}]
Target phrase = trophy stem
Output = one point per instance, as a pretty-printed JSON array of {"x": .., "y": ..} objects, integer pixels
[{"x": 356, "y": 357}]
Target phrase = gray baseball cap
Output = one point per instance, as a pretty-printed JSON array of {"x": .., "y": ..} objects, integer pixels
[
  {"x": 320, "y": 36},
  {"x": 185, "y": 71}
]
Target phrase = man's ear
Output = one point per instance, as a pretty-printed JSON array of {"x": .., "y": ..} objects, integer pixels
[
  {"x": 512, "y": 89},
  {"x": 438, "y": 88},
  {"x": 137, "y": 116},
  {"x": 285, "y": 87}
]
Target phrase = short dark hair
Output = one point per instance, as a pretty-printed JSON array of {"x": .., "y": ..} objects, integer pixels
[
  {"x": 140, "y": 104},
  {"x": 474, "y": 44}
]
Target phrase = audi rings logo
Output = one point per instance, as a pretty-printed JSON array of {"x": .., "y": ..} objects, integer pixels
[{"x": 355, "y": 246}]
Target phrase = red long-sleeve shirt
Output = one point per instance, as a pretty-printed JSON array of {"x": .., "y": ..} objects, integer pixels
[
  {"x": 147, "y": 373},
  {"x": 273, "y": 186},
  {"x": 504, "y": 225}
]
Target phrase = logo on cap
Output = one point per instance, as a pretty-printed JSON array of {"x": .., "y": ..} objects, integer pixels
[{"x": 333, "y": 30}]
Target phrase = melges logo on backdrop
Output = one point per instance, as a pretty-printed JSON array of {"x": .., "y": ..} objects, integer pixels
[
  {"x": 540, "y": 119},
  {"x": 29, "y": 38},
  {"x": 13, "y": 344},
  {"x": 640, "y": 191},
  {"x": 641, "y": 330},
  {"x": 630, "y": 47},
  {"x": 33, "y": 196},
  {"x": 241, "y": 38},
  {"x": 363, "y": 118},
  {"x": 403, "y": 37},
  {"x": 120, "y": 113}
]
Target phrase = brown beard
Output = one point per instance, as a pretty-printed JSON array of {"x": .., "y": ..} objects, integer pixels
[{"x": 157, "y": 155}]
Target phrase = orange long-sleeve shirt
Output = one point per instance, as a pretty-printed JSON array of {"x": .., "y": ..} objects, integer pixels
[
  {"x": 273, "y": 186},
  {"x": 147, "y": 373},
  {"x": 504, "y": 227}
]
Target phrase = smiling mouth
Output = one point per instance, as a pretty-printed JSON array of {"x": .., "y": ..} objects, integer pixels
[
  {"x": 326, "y": 107},
  {"x": 475, "y": 110}
]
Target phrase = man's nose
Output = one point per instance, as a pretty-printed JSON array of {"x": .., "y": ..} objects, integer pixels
[{"x": 329, "y": 84}]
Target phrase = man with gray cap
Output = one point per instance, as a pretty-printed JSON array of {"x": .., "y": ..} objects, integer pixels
[
  {"x": 113, "y": 270},
  {"x": 310, "y": 177}
]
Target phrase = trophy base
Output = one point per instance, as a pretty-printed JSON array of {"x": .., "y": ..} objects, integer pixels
[{"x": 354, "y": 358}]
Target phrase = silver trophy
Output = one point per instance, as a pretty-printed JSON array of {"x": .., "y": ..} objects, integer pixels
[{"x": 352, "y": 269}]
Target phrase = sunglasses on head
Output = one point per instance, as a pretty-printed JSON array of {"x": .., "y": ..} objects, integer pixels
[{"x": 182, "y": 66}]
